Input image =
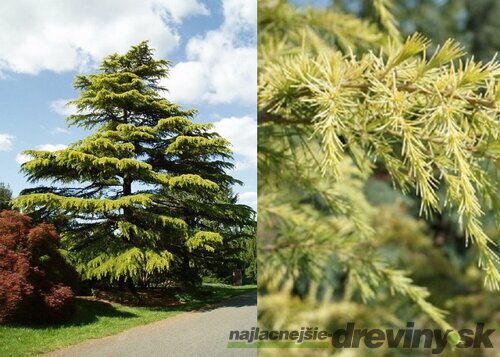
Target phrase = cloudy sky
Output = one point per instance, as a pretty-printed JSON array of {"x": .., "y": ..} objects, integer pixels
[{"x": 43, "y": 44}]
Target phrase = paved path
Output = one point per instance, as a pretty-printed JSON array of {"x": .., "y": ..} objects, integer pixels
[{"x": 203, "y": 333}]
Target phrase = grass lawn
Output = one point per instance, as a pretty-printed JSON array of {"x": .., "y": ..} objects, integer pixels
[{"x": 97, "y": 319}]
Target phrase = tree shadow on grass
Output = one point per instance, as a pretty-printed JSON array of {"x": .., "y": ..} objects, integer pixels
[
  {"x": 88, "y": 311},
  {"x": 175, "y": 299},
  {"x": 204, "y": 301}
]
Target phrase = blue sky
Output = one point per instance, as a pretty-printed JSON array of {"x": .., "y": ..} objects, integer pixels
[{"x": 44, "y": 44}]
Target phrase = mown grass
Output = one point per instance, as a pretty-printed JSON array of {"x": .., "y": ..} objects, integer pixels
[{"x": 96, "y": 319}]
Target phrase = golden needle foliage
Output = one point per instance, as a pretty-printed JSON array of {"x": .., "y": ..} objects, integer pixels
[{"x": 340, "y": 97}]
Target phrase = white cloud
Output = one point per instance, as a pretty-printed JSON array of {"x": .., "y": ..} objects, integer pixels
[
  {"x": 240, "y": 14},
  {"x": 6, "y": 142},
  {"x": 187, "y": 81},
  {"x": 22, "y": 158},
  {"x": 242, "y": 133},
  {"x": 61, "y": 107},
  {"x": 180, "y": 9},
  {"x": 61, "y": 35},
  {"x": 51, "y": 147},
  {"x": 222, "y": 65},
  {"x": 248, "y": 198}
]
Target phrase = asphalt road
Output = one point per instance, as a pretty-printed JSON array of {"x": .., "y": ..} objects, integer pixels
[{"x": 201, "y": 333}]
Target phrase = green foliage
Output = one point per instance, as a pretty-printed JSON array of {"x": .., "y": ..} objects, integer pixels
[
  {"x": 333, "y": 114},
  {"x": 5, "y": 196},
  {"x": 239, "y": 253},
  {"x": 249, "y": 259},
  {"x": 147, "y": 192}
]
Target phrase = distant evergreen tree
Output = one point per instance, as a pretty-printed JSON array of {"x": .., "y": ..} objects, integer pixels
[
  {"x": 147, "y": 193},
  {"x": 5, "y": 196}
]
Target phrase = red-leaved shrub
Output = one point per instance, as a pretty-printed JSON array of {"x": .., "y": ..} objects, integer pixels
[{"x": 35, "y": 280}]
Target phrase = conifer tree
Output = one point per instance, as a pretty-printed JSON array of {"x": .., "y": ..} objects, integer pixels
[
  {"x": 5, "y": 196},
  {"x": 340, "y": 99},
  {"x": 147, "y": 192}
]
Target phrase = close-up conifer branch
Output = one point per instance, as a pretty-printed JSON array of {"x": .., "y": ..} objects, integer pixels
[{"x": 334, "y": 114}]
